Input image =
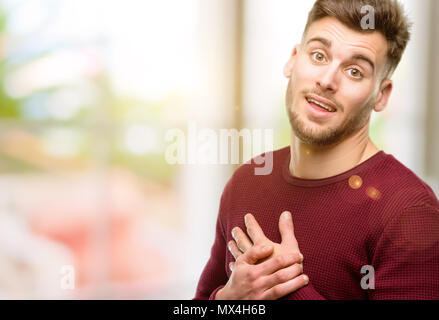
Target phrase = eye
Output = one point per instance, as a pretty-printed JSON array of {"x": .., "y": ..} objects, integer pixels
[
  {"x": 355, "y": 73},
  {"x": 318, "y": 56}
]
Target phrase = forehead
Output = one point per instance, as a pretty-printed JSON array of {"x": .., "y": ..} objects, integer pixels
[{"x": 347, "y": 40}]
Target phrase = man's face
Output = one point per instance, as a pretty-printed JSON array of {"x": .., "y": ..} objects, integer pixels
[{"x": 341, "y": 69}]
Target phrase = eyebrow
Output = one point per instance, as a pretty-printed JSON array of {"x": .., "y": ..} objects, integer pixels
[{"x": 327, "y": 43}]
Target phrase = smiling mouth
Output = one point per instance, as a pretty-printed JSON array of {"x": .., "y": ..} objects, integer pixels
[{"x": 320, "y": 105}]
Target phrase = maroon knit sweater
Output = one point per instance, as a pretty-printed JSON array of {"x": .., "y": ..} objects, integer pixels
[{"x": 378, "y": 214}]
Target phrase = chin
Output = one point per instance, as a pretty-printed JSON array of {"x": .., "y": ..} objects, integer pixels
[{"x": 313, "y": 133}]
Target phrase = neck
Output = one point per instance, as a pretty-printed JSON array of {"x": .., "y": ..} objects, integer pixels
[{"x": 317, "y": 162}]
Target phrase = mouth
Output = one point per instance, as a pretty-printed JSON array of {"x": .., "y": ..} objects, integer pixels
[{"x": 321, "y": 104}]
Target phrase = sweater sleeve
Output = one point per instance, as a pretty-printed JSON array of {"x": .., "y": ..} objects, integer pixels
[
  {"x": 406, "y": 257},
  {"x": 214, "y": 275}
]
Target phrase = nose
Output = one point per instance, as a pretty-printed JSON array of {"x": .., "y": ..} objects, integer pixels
[{"x": 328, "y": 79}]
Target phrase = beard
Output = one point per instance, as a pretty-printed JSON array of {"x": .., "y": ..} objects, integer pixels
[{"x": 326, "y": 135}]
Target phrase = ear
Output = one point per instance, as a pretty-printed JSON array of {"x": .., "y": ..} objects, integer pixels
[
  {"x": 384, "y": 95},
  {"x": 288, "y": 69}
]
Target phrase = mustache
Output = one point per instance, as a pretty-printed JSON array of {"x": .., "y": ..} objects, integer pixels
[{"x": 324, "y": 95}]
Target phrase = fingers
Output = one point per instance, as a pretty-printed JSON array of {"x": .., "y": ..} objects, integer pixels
[
  {"x": 279, "y": 262},
  {"x": 285, "y": 288},
  {"x": 254, "y": 230},
  {"x": 241, "y": 239},
  {"x": 286, "y": 229},
  {"x": 256, "y": 253},
  {"x": 284, "y": 275},
  {"x": 234, "y": 250}
]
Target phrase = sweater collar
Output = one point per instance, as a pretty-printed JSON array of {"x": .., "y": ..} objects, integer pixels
[{"x": 363, "y": 166}]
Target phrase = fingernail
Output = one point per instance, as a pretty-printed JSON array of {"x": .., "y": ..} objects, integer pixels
[
  {"x": 266, "y": 248},
  {"x": 286, "y": 215},
  {"x": 301, "y": 256},
  {"x": 305, "y": 277},
  {"x": 246, "y": 217},
  {"x": 233, "y": 233}
]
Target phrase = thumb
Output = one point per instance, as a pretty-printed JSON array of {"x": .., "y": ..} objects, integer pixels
[{"x": 286, "y": 229}]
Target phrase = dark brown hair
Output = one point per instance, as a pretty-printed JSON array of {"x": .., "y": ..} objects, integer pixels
[{"x": 390, "y": 21}]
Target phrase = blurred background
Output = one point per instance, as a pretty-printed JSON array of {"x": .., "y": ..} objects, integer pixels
[{"x": 89, "y": 208}]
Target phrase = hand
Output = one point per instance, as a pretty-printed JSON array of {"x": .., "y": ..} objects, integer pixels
[
  {"x": 242, "y": 243},
  {"x": 269, "y": 280}
]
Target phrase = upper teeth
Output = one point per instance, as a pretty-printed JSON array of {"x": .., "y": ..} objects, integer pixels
[{"x": 324, "y": 106}]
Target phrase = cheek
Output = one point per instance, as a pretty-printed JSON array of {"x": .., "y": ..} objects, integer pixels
[
  {"x": 305, "y": 72},
  {"x": 301, "y": 79},
  {"x": 355, "y": 95}
]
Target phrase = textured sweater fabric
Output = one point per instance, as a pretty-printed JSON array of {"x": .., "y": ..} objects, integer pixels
[{"x": 379, "y": 214}]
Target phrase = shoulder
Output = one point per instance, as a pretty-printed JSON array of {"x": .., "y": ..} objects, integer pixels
[
  {"x": 400, "y": 185},
  {"x": 264, "y": 165},
  {"x": 259, "y": 169},
  {"x": 404, "y": 199}
]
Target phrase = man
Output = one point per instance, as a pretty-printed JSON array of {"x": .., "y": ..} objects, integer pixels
[{"x": 337, "y": 218}]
